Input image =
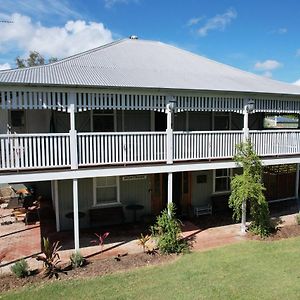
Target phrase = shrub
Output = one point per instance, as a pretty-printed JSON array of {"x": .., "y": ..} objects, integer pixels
[
  {"x": 168, "y": 232},
  {"x": 298, "y": 218},
  {"x": 77, "y": 260},
  {"x": 20, "y": 268},
  {"x": 50, "y": 258}
]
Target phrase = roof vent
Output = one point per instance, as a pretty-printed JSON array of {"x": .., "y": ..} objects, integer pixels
[{"x": 134, "y": 37}]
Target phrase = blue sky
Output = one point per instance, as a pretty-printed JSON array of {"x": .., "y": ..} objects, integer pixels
[{"x": 260, "y": 36}]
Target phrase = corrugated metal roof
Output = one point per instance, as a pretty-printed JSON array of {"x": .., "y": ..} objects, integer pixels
[{"x": 145, "y": 64}]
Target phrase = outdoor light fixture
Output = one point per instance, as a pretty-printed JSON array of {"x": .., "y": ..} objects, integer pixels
[
  {"x": 172, "y": 104},
  {"x": 250, "y": 106}
]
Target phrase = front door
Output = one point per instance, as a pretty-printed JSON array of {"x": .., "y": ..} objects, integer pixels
[
  {"x": 158, "y": 193},
  {"x": 182, "y": 192}
]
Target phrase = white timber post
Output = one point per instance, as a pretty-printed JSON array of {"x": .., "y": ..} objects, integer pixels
[
  {"x": 248, "y": 108},
  {"x": 170, "y": 123},
  {"x": 170, "y": 190},
  {"x": 75, "y": 216},
  {"x": 170, "y": 120},
  {"x": 73, "y": 132}
]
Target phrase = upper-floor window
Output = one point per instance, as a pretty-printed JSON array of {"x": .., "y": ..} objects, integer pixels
[
  {"x": 104, "y": 121},
  {"x": 17, "y": 121},
  {"x": 222, "y": 180},
  {"x": 221, "y": 121},
  {"x": 17, "y": 118}
]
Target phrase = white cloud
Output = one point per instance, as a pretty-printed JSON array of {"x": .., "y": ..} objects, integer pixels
[
  {"x": 267, "y": 74},
  {"x": 218, "y": 22},
  {"x": 297, "y": 82},
  {"x": 281, "y": 30},
  {"x": 111, "y": 3},
  {"x": 73, "y": 37},
  {"x": 267, "y": 65},
  {"x": 5, "y": 66},
  {"x": 298, "y": 52},
  {"x": 194, "y": 21},
  {"x": 37, "y": 7}
]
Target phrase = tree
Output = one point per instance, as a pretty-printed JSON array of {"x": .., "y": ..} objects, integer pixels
[
  {"x": 34, "y": 59},
  {"x": 249, "y": 187}
]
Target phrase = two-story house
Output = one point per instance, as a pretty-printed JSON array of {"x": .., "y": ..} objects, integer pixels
[{"x": 135, "y": 124}]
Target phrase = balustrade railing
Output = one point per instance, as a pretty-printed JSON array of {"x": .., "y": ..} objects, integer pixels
[
  {"x": 121, "y": 148},
  {"x": 43, "y": 151},
  {"x": 34, "y": 151}
]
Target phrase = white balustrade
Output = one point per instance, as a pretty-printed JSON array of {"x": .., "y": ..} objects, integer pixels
[
  {"x": 43, "y": 151},
  {"x": 97, "y": 148},
  {"x": 276, "y": 142},
  {"x": 34, "y": 151},
  {"x": 196, "y": 145}
]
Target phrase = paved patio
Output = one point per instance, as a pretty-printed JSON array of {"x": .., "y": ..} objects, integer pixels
[{"x": 18, "y": 240}]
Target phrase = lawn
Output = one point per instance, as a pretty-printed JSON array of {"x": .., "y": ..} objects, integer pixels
[{"x": 248, "y": 270}]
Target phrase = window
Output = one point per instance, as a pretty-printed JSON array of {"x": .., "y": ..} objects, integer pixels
[
  {"x": 17, "y": 118},
  {"x": 106, "y": 190},
  {"x": 104, "y": 121},
  {"x": 222, "y": 180},
  {"x": 222, "y": 121}
]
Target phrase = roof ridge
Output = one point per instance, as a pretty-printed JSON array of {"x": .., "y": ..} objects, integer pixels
[{"x": 69, "y": 57}]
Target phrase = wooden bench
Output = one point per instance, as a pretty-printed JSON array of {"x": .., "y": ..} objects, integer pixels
[
  {"x": 106, "y": 215},
  {"x": 202, "y": 210}
]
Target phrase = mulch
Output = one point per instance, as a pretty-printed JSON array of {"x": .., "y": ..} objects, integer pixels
[
  {"x": 94, "y": 268},
  {"x": 126, "y": 262}
]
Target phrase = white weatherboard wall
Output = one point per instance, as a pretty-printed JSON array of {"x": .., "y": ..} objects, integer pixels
[{"x": 132, "y": 191}]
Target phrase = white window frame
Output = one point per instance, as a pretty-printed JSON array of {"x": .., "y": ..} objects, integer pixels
[
  {"x": 214, "y": 182},
  {"x": 96, "y": 113},
  {"x": 118, "y": 202}
]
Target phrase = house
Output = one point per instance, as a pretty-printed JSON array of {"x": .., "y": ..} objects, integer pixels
[{"x": 123, "y": 129}]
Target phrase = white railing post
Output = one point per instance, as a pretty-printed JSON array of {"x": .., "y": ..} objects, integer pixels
[
  {"x": 170, "y": 190},
  {"x": 170, "y": 117},
  {"x": 73, "y": 132},
  {"x": 248, "y": 108},
  {"x": 75, "y": 214}
]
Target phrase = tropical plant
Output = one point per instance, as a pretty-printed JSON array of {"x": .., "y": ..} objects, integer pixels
[
  {"x": 168, "y": 232},
  {"x": 50, "y": 258},
  {"x": 142, "y": 241},
  {"x": 248, "y": 187},
  {"x": 100, "y": 239},
  {"x": 298, "y": 218},
  {"x": 20, "y": 268},
  {"x": 77, "y": 260}
]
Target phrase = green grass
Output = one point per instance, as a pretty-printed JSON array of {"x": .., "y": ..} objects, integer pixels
[{"x": 248, "y": 270}]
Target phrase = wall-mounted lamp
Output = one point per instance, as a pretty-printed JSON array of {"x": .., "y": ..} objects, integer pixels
[{"x": 250, "y": 106}]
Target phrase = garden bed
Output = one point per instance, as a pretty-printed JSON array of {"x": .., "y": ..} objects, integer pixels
[{"x": 93, "y": 268}]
